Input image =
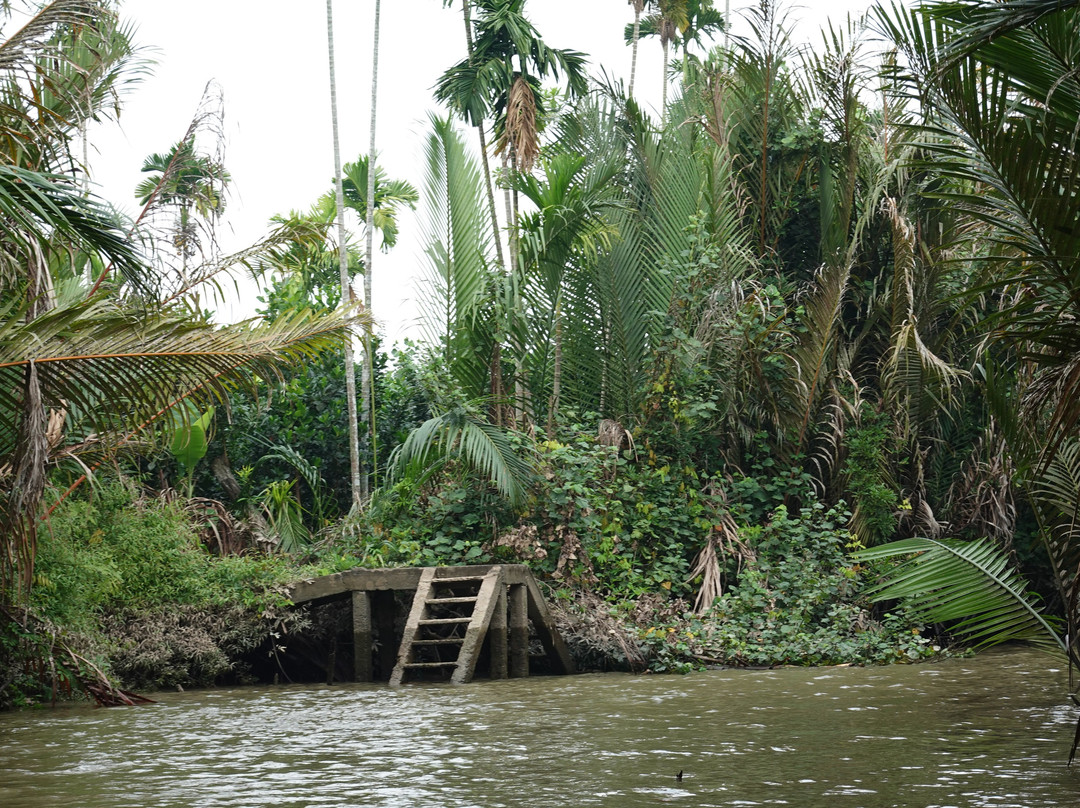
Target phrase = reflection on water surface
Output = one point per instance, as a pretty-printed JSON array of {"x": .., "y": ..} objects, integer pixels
[{"x": 991, "y": 731}]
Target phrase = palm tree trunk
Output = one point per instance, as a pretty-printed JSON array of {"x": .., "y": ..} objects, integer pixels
[
  {"x": 663, "y": 102},
  {"x": 514, "y": 303},
  {"x": 367, "y": 405},
  {"x": 633, "y": 51},
  {"x": 343, "y": 267},
  {"x": 765, "y": 150},
  {"x": 500, "y": 261},
  {"x": 556, "y": 376}
]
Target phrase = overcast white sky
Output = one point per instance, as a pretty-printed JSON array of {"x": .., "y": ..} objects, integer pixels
[{"x": 270, "y": 58}]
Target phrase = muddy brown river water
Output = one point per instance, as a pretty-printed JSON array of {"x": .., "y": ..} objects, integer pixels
[{"x": 989, "y": 731}]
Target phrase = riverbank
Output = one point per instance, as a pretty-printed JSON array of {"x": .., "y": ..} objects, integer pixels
[{"x": 128, "y": 590}]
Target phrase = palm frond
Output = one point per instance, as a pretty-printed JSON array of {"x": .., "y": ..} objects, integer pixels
[
  {"x": 58, "y": 70},
  {"x": 45, "y": 211},
  {"x": 484, "y": 448},
  {"x": 123, "y": 372},
  {"x": 970, "y": 586},
  {"x": 307, "y": 471},
  {"x": 458, "y": 238},
  {"x": 813, "y": 357}
]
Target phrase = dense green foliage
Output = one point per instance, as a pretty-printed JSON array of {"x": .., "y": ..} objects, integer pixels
[
  {"x": 798, "y": 600},
  {"x": 124, "y": 582},
  {"x": 816, "y": 305}
]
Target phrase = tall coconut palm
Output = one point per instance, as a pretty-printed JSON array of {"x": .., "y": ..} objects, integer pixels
[
  {"x": 635, "y": 37},
  {"x": 367, "y": 409},
  {"x": 356, "y": 484}
]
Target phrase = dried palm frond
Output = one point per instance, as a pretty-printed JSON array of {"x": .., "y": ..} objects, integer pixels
[
  {"x": 723, "y": 542},
  {"x": 982, "y": 494},
  {"x": 520, "y": 133}
]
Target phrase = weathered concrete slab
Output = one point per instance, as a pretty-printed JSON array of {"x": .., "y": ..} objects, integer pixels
[
  {"x": 340, "y": 584},
  {"x": 483, "y": 609},
  {"x": 412, "y": 625}
]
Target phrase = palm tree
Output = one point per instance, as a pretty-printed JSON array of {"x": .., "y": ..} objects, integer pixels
[
  {"x": 639, "y": 7},
  {"x": 567, "y": 230},
  {"x": 343, "y": 271},
  {"x": 368, "y": 403},
  {"x": 672, "y": 17},
  {"x": 502, "y": 77},
  {"x": 997, "y": 81},
  {"x": 458, "y": 239},
  {"x": 190, "y": 182},
  {"x": 702, "y": 21},
  {"x": 475, "y": 115},
  {"x": 378, "y": 200},
  {"x": 678, "y": 21}
]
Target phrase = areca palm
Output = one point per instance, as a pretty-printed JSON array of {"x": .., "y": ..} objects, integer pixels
[
  {"x": 190, "y": 182},
  {"x": 368, "y": 404},
  {"x": 635, "y": 37},
  {"x": 466, "y": 11},
  {"x": 377, "y": 200},
  {"x": 374, "y": 195},
  {"x": 502, "y": 76}
]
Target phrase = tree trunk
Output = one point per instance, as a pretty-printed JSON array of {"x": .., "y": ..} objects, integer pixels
[
  {"x": 663, "y": 102},
  {"x": 367, "y": 405},
  {"x": 556, "y": 376},
  {"x": 512, "y": 312},
  {"x": 499, "y": 260},
  {"x": 633, "y": 50},
  {"x": 343, "y": 267}
]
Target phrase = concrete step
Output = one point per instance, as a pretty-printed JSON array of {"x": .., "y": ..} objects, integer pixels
[
  {"x": 430, "y": 664},
  {"x": 445, "y": 641},
  {"x": 470, "y": 599},
  {"x": 443, "y": 621}
]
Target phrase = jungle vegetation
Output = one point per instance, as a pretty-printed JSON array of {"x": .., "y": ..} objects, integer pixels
[{"x": 785, "y": 372}]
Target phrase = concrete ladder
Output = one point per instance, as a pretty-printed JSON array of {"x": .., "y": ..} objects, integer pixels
[{"x": 449, "y": 619}]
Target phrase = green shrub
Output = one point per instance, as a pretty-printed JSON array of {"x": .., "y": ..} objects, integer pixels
[
  {"x": 118, "y": 550},
  {"x": 796, "y": 602}
]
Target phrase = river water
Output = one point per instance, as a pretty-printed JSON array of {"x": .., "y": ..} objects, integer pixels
[{"x": 990, "y": 731}]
